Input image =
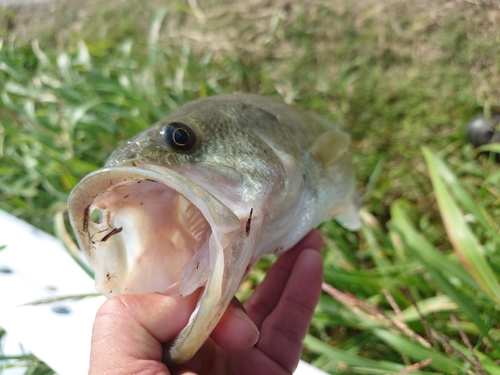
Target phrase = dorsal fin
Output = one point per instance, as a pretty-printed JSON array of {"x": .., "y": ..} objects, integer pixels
[{"x": 330, "y": 146}]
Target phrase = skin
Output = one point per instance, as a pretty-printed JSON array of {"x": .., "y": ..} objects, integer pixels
[{"x": 129, "y": 330}]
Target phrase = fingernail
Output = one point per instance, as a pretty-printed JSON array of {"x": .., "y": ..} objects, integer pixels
[{"x": 252, "y": 327}]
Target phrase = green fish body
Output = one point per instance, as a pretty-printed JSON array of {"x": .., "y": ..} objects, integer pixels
[{"x": 196, "y": 199}]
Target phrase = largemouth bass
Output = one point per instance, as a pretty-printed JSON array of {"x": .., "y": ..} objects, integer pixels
[{"x": 196, "y": 199}]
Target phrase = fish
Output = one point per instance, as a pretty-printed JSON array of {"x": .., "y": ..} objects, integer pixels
[{"x": 192, "y": 202}]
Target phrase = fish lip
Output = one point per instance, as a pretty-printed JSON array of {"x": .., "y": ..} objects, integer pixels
[{"x": 184, "y": 346}]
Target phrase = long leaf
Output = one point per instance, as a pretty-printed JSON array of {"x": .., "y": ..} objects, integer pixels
[
  {"x": 417, "y": 352},
  {"x": 424, "y": 251},
  {"x": 461, "y": 195},
  {"x": 363, "y": 365},
  {"x": 461, "y": 237}
]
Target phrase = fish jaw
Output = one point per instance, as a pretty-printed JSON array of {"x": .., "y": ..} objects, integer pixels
[
  {"x": 203, "y": 321},
  {"x": 122, "y": 263}
]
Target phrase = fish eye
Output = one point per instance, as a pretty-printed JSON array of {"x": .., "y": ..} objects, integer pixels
[{"x": 179, "y": 136}]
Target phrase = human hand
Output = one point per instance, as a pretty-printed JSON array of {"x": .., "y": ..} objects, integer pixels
[{"x": 129, "y": 329}]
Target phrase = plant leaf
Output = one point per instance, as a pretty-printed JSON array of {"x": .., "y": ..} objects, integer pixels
[{"x": 461, "y": 237}]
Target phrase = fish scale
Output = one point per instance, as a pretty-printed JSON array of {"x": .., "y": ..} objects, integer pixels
[{"x": 256, "y": 175}]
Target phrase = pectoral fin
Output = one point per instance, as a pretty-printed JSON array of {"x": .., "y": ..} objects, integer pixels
[
  {"x": 349, "y": 218},
  {"x": 330, "y": 146}
]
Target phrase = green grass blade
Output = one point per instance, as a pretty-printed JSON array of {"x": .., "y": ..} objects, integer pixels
[
  {"x": 427, "y": 307},
  {"x": 417, "y": 352},
  {"x": 461, "y": 237},
  {"x": 435, "y": 264},
  {"x": 363, "y": 365},
  {"x": 154, "y": 32},
  {"x": 427, "y": 254},
  {"x": 489, "y": 365},
  {"x": 461, "y": 195},
  {"x": 492, "y": 147}
]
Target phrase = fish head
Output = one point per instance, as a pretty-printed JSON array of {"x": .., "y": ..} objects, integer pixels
[{"x": 172, "y": 209}]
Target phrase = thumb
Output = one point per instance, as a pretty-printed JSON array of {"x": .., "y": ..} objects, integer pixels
[
  {"x": 235, "y": 330},
  {"x": 129, "y": 330}
]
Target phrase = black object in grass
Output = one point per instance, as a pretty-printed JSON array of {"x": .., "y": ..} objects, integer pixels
[{"x": 480, "y": 132}]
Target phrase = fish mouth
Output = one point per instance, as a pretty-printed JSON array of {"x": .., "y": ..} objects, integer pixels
[{"x": 157, "y": 231}]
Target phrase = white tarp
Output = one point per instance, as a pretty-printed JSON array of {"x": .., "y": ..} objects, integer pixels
[{"x": 35, "y": 265}]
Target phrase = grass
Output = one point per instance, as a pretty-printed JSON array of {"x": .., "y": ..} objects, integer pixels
[{"x": 416, "y": 290}]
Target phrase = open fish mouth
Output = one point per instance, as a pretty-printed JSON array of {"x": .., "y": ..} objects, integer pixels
[
  {"x": 189, "y": 204},
  {"x": 145, "y": 228}
]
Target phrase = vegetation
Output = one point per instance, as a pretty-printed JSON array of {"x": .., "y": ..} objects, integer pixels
[{"x": 416, "y": 290}]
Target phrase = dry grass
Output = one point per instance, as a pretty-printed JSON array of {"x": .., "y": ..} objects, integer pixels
[
  {"x": 397, "y": 74},
  {"x": 417, "y": 32}
]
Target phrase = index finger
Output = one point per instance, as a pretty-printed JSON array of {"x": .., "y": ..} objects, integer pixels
[
  {"x": 284, "y": 329},
  {"x": 268, "y": 293}
]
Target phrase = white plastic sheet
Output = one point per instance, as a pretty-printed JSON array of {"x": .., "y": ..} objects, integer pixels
[{"x": 35, "y": 265}]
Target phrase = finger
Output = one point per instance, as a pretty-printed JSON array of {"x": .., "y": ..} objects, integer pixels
[
  {"x": 283, "y": 331},
  {"x": 235, "y": 331},
  {"x": 233, "y": 334},
  {"x": 184, "y": 370},
  {"x": 268, "y": 293},
  {"x": 129, "y": 331}
]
